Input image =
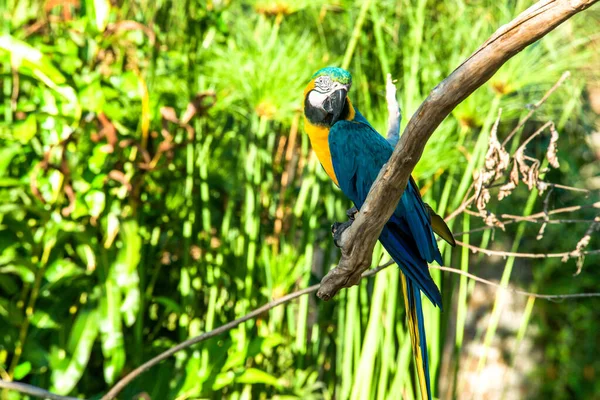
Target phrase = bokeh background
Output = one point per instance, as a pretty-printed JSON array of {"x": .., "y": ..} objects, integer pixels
[{"x": 156, "y": 183}]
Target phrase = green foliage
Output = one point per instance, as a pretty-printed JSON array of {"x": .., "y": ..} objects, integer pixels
[{"x": 127, "y": 227}]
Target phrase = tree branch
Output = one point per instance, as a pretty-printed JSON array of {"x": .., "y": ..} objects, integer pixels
[
  {"x": 517, "y": 291},
  {"x": 358, "y": 240},
  {"x": 33, "y": 390},
  {"x": 565, "y": 256},
  {"x": 119, "y": 386},
  {"x": 536, "y": 106}
]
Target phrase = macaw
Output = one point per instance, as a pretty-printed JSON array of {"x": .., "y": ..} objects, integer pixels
[{"x": 352, "y": 153}]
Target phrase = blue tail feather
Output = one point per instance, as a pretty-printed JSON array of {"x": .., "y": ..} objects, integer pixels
[
  {"x": 423, "y": 340},
  {"x": 406, "y": 251},
  {"x": 403, "y": 251}
]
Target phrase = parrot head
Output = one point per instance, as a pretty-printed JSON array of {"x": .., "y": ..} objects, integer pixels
[{"x": 325, "y": 100}]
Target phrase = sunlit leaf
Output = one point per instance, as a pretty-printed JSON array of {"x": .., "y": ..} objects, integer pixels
[
  {"x": 30, "y": 61},
  {"x": 81, "y": 340},
  {"x": 60, "y": 269},
  {"x": 23, "y": 131},
  {"x": 111, "y": 330},
  {"x": 22, "y": 370},
  {"x": 102, "y": 13},
  {"x": 125, "y": 270},
  {"x": 95, "y": 200},
  {"x": 6, "y": 155},
  {"x": 42, "y": 320},
  {"x": 255, "y": 376},
  {"x": 25, "y": 273}
]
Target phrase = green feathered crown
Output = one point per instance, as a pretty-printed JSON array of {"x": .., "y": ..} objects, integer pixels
[{"x": 337, "y": 74}]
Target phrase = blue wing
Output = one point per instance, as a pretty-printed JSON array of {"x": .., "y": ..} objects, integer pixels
[{"x": 358, "y": 152}]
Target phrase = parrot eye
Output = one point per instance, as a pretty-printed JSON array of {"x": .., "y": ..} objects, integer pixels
[{"x": 323, "y": 84}]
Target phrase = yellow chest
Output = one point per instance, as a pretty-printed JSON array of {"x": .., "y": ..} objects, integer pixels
[
  {"x": 319, "y": 136},
  {"x": 319, "y": 140}
]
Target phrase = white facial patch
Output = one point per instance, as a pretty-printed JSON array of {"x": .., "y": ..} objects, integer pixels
[
  {"x": 316, "y": 99},
  {"x": 323, "y": 84}
]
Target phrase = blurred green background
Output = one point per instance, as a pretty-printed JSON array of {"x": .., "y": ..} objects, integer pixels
[{"x": 156, "y": 183}]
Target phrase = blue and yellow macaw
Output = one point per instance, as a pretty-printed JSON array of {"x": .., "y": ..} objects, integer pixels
[{"x": 352, "y": 153}]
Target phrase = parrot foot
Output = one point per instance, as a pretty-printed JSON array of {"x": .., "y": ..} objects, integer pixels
[
  {"x": 338, "y": 228},
  {"x": 351, "y": 213}
]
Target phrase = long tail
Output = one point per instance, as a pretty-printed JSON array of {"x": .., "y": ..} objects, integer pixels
[{"x": 414, "y": 313}]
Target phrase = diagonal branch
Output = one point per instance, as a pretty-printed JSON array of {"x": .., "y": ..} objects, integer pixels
[
  {"x": 358, "y": 240},
  {"x": 32, "y": 390},
  {"x": 565, "y": 255},
  {"x": 119, "y": 386}
]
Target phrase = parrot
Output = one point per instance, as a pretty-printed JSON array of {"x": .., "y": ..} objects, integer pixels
[{"x": 352, "y": 153}]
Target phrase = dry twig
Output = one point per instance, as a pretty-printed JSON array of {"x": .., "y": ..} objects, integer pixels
[
  {"x": 535, "y": 107},
  {"x": 517, "y": 291},
  {"x": 579, "y": 251},
  {"x": 564, "y": 256}
]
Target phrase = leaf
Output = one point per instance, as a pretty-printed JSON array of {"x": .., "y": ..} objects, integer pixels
[
  {"x": 86, "y": 253},
  {"x": 25, "y": 130},
  {"x": 255, "y": 376},
  {"x": 7, "y": 152},
  {"x": 10, "y": 182},
  {"x": 60, "y": 269},
  {"x": 42, "y": 320},
  {"x": 92, "y": 97},
  {"x": 95, "y": 201},
  {"x": 125, "y": 270},
  {"x": 223, "y": 379},
  {"x": 32, "y": 62},
  {"x": 111, "y": 331},
  {"x": 81, "y": 340},
  {"x": 23, "y": 272},
  {"x": 22, "y": 370},
  {"x": 101, "y": 14},
  {"x": 169, "y": 304}
]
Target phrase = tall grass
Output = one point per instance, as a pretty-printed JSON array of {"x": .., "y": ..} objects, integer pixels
[{"x": 238, "y": 215}]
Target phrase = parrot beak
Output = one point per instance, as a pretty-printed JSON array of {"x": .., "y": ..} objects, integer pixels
[{"x": 334, "y": 104}]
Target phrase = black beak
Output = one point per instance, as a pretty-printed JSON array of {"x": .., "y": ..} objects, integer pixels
[{"x": 334, "y": 104}]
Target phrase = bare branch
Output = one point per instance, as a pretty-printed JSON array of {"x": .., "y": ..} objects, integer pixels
[
  {"x": 536, "y": 106},
  {"x": 537, "y": 218},
  {"x": 517, "y": 291},
  {"x": 462, "y": 208},
  {"x": 358, "y": 240},
  {"x": 119, "y": 386},
  {"x": 564, "y": 256},
  {"x": 33, "y": 390},
  {"x": 551, "y": 212}
]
